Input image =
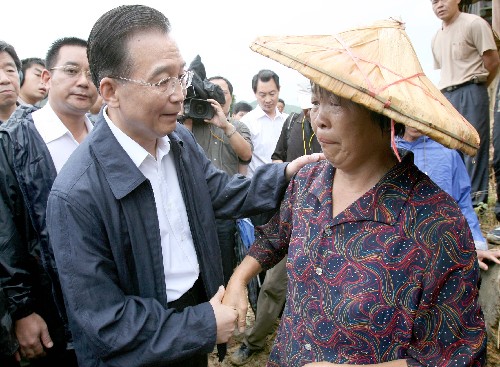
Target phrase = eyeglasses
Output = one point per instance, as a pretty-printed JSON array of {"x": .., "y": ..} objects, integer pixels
[
  {"x": 166, "y": 85},
  {"x": 73, "y": 71}
]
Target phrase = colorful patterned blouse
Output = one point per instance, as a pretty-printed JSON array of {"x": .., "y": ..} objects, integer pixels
[{"x": 394, "y": 276}]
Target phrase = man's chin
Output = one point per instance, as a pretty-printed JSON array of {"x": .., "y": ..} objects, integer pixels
[{"x": 169, "y": 127}]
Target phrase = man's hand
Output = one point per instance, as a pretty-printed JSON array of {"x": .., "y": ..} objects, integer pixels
[
  {"x": 492, "y": 255},
  {"x": 225, "y": 317},
  {"x": 220, "y": 118},
  {"x": 33, "y": 335},
  {"x": 294, "y": 166}
]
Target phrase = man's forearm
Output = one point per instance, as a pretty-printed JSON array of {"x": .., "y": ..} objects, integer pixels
[
  {"x": 241, "y": 147},
  {"x": 491, "y": 62}
]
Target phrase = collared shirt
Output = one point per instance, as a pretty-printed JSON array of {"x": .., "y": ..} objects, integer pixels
[
  {"x": 446, "y": 168},
  {"x": 59, "y": 140},
  {"x": 458, "y": 50},
  {"x": 393, "y": 276},
  {"x": 180, "y": 263},
  {"x": 297, "y": 138},
  {"x": 265, "y": 134}
]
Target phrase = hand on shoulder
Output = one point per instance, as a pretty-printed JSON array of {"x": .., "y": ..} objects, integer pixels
[{"x": 294, "y": 166}]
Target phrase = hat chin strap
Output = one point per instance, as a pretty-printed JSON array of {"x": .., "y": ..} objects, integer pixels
[{"x": 393, "y": 142}]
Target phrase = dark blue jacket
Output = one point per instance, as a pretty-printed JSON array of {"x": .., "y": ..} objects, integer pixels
[
  {"x": 105, "y": 235},
  {"x": 26, "y": 176}
]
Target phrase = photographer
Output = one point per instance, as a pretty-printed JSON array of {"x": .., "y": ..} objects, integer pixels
[
  {"x": 226, "y": 143},
  {"x": 206, "y": 107}
]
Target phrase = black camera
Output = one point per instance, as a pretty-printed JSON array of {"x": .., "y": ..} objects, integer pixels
[
  {"x": 198, "y": 109},
  {"x": 196, "y": 106}
]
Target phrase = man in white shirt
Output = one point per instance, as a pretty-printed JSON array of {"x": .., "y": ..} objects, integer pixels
[
  {"x": 265, "y": 120},
  {"x": 57, "y": 135},
  {"x": 34, "y": 146}
]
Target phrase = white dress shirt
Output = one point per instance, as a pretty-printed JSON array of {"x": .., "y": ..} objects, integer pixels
[
  {"x": 265, "y": 134},
  {"x": 180, "y": 263},
  {"x": 57, "y": 137}
]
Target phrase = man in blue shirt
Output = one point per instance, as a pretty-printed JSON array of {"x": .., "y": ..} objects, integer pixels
[{"x": 447, "y": 169}]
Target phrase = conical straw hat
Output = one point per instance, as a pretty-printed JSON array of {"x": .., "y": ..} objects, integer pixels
[{"x": 375, "y": 66}]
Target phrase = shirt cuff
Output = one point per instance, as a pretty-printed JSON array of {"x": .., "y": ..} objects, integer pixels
[{"x": 481, "y": 245}]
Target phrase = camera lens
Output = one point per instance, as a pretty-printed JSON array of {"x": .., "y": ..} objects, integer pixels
[{"x": 200, "y": 109}]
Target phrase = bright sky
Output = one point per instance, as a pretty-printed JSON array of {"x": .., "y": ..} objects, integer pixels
[{"x": 220, "y": 31}]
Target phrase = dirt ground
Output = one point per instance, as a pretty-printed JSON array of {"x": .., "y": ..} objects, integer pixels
[
  {"x": 257, "y": 360},
  {"x": 488, "y": 222}
]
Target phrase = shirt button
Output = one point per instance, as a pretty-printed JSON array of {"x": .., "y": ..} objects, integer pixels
[
  {"x": 308, "y": 346},
  {"x": 215, "y": 142},
  {"x": 328, "y": 231},
  {"x": 319, "y": 271}
]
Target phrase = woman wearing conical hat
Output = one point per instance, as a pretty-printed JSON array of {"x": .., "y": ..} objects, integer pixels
[{"x": 381, "y": 263}]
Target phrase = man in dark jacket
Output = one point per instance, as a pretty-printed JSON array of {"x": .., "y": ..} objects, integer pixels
[
  {"x": 34, "y": 144},
  {"x": 10, "y": 67},
  {"x": 10, "y": 72},
  {"x": 131, "y": 216},
  {"x": 9, "y": 355}
]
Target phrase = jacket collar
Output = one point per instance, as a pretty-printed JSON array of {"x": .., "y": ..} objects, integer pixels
[{"x": 120, "y": 171}]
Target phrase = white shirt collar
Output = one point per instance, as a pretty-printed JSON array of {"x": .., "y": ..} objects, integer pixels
[
  {"x": 134, "y": 150},
  {"x": 50, "y": 126}
]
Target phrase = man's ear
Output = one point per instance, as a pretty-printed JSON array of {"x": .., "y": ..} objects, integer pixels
[
  {"x": 109, "y": 92},
  {"x": 46, "y": 77}
]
